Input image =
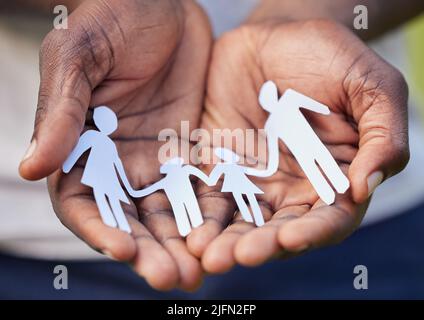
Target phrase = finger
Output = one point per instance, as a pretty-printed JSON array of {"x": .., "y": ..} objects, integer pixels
[
  {"x": 378, "y": 99},
  {"x": 261, "y": 244},
  {"x": 152, "y": 261},
  {"x": 77, "y": 210},
  {"x": 323, "y": 225},
  {"x": 219, "y": 255},
  {"x": 217, "y": 209},
  {"x": 157, "y": 216},
  {"x": 72, "y": 63}
]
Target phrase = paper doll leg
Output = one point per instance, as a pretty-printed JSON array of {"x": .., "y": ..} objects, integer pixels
[
  {"x": 256, "y": 210},
  {"x": 321, "y": 186},
  {"x": 104, "y": 209},
  {"x": 194, "y": 212},
  {"x": 244, "y": 210},
  {"x": 333, "y": 172},
  {"x": 120, "y": 215},
  {"x": 181, "y": 218}
]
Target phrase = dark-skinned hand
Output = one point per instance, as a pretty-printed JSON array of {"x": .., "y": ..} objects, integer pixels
[
  {"x": 366, "y": 133},
  {"x": 147, "y": 60}
]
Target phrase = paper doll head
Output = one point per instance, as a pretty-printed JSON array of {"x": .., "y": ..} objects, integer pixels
[
  {"x": 268, "y": 97},
  {"x": 105, "y": 120},
  {"x": 171, "y": 164},
  {"x": 227, "y": 155}
]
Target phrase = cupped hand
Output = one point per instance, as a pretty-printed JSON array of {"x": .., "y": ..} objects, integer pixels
[
  {"x": 147, "y": 60},
  {"x": 366, "y": 133}
]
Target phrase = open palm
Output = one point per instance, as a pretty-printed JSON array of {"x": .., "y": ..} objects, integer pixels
[
  {"x": 366, "y": 133},
  {"x": 146, "y": 60}
]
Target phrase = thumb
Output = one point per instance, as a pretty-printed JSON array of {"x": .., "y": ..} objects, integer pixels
[
  {"x": 69, "y": 71},
  {"x": 381, "y": 114}
]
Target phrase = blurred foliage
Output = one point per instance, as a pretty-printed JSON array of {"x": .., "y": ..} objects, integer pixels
[{"x": 415, "y": 41}]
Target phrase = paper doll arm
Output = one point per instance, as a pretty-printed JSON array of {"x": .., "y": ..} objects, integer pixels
[
  {"x": 84, "y": 143},
  {"x": 214, "y": 176},
  {"x": 121, "y": 171},
  {"x": 134, "y": 193},
  {"x": 273, "y": 160},
  {"x": 146, "y": 191},
  {"x": 299, "y": 100},
  {"x": 200, "y": 174}
]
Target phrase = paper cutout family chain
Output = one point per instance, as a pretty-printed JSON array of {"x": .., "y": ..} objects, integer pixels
[{"x": 104, "y": 167}]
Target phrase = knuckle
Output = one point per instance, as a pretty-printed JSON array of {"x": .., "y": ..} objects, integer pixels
[
  {"x": 56, "y": 51},
  {"x": 93, "y": 45},
  {"x": 58, "y": 46},
  {"x": 373, "y": 83},
  {"x": 399, "y": 81},
  {"x": 63, "y": 73},
  {"x": 54, "y": 39},
  {"x": 70, "y": 51}
]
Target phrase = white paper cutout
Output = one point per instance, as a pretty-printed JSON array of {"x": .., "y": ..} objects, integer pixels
[
  {"x": 286, "y": 122},
  {"x": 103, "y": 168},
  {"x": 237, "y": 182},
  {"x": 179, "y": 190}
]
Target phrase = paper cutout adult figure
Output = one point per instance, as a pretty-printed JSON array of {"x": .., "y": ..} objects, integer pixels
[
  {"x": 179, "y": 190},
  {"x": 103, "y": 168},
  {"x": 237, "y": 182},
  {"x": 286, "y": 122}
]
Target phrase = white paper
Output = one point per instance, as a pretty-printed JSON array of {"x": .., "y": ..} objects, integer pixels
[
  {"x": 179, "y": 190},
  {"x": 237, "y": 182},
  {"x": 286, "y": 122},
  {"x": 103, "y": 168}
]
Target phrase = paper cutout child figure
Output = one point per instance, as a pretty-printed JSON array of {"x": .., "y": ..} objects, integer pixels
[
  {"x": 103, "y": 168},
  {"x": 179, "y": 190},
  {"x": 286, "y": 122},
  {"x": 237, "y": 182}
]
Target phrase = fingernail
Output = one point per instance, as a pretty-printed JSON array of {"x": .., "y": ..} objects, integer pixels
[
  {"x": 109, "y": 254},
  {"x": 30, "y": 150},
  {"x": 374, "y": 180}
]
